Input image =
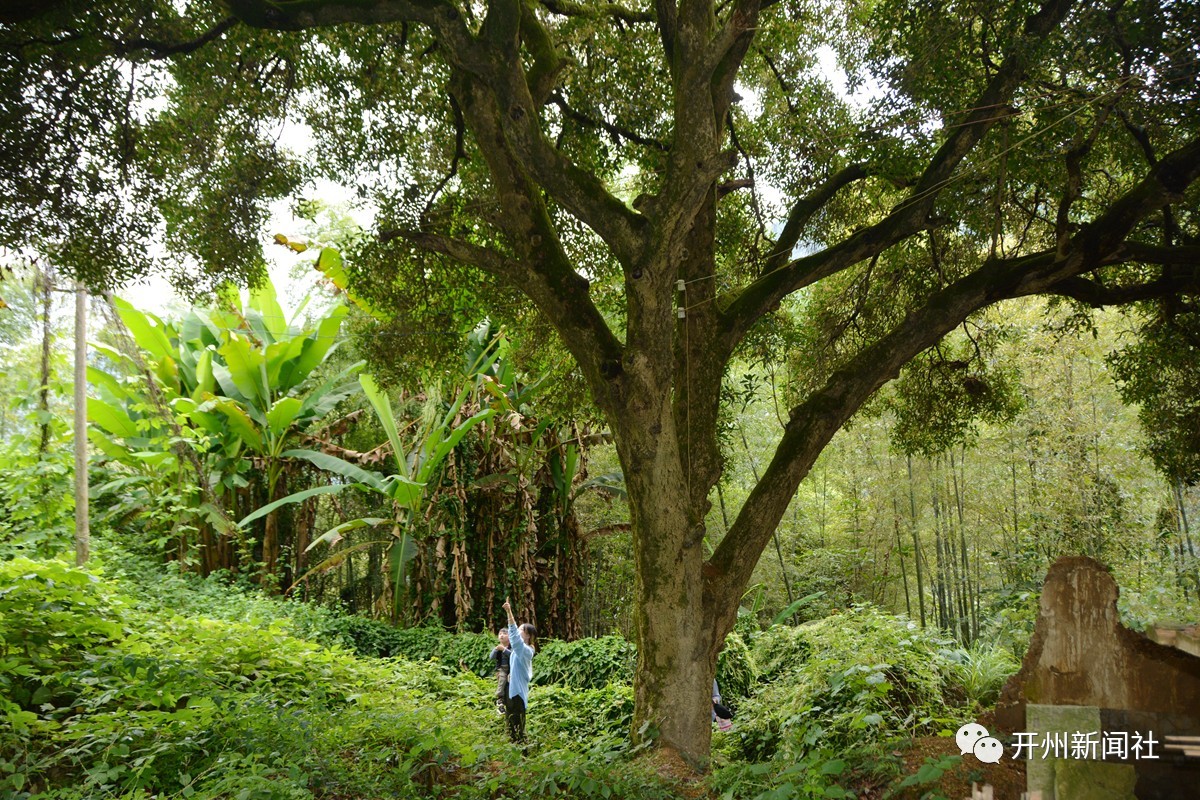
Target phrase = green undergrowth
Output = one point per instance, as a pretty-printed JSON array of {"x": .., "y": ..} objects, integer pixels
[
  {"x": 835, "y": 695},
  {"x": 105, "y": 693},
  {"x": 139, "y": 682},
  {"x": 591, "y": 663}
]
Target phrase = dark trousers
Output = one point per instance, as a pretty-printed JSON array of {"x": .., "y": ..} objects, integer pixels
[{"x": 515, "y": 718}]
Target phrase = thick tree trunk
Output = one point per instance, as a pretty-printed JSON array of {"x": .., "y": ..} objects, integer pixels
[{"x": 676, "y": 653}]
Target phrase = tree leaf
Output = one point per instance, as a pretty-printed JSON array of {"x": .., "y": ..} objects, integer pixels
[
  {"x": 296, "y": 497},
  {"x": 282, "y": 414},
  {"x": 338, "y": 466},
  {"x": 334, "y": 534},
  {"x": 110, "y": 418},
  {"x": 246, "y": 370},
  {"x": 782, "y": 616},
  {"x": 383, "y": 410},
  {"x": 240, "y": 423}
]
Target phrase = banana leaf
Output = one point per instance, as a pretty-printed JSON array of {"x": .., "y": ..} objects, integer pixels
[
  {"x": 334, "y": 534},
  {"x": 383, "y": 410},
  {"x": 295, "y": 497},
  {"x": 339, "y": 466}
]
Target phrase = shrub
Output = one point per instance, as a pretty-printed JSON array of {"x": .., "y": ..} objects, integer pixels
[
  {"x": 736, "y": 671},
  {"x": 982, "y": 671},
  {"x": 560, "y": 716},
  {"x": 779, "y": 650},
  {"x": 850, "y": 679},
  {"x": 585, "y": 663}
]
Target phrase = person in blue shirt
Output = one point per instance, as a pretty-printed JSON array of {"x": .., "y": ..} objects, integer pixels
[{"x": 523, "y": 642}]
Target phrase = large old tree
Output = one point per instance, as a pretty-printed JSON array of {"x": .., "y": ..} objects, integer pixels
[{"x": 668, "y": 185}]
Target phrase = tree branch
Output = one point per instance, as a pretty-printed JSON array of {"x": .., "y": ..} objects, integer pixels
[
  {"x": 666, "y": 12},
  {"x": 160, "y": 49},
  {"x": 616, "y": 131},
  {"x": 459, "y": 154},
  {"x": 1095, "y": 294},
  {"x": 909, "y": 216},
  {"x": 580, "y": 192},
  {"x": 814, "y": 422},
  {"x": 803, "y": 211},
  {"x": 18, "y": 11},
  {"x": 300, "y": 15},
  {"x": 569, "y": 8},
  {"x": 483, "y": 258}
]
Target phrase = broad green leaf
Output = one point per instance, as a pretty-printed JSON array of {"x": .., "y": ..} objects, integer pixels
[
  {"x": 400, "y": 554},
  {"x": 146, "y": 330},
  {"x": 450, "y": 442},
  {"x": 108, "y": 351},
  {"x": 297, "y": 497},
  {"x": 183, "y": 405},
  {"x": 338, "y": 466},
  {"x": 323, "y": 400},
  {"x": 281, "y": 360},
  {"x": 329, "y": 262},
  {"x": 205, "y": 380},
  {"x": 264, "y": 301},
  {"x": 405, "y": 492},
  {"x": 213, "y": 423},
  {"x": 157, "y": 459},
  {"x": 246, "y": 369},
  {"x": 318, "y": 344},
  {"x": 240, "y": 423},
  {"x": 108, "y": 384},
  {"x": 782, "y": 616},
  {"x": 319, "y": 405},
  {"x": 334, "y": 535},
  {"x": 335, "y": 560},
  {"x": 383, "y": 410},
  {"x": 104, "y": 442},
  {"x": 110, "y": 418},
  {"x": 217, "y": 323},
  {"x": 191, "y": 329},
  {"x": 283, "y": 414}
]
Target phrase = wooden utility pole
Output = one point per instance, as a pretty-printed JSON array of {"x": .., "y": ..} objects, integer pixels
[{"x": 82, "y": 532}]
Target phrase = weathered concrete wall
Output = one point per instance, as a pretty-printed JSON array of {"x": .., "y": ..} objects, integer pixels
[{"x": 1081, "y": 655}]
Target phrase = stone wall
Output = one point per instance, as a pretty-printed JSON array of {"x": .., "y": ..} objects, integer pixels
[{"x": 1081, "y": 655}]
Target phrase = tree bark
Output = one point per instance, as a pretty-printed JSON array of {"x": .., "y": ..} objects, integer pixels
[
  {"x": 912, "y": 506},
  {"x": 677, "y": 656},
  {"x": 82, "y": 532},
  {"x": 47, "y": 285}
]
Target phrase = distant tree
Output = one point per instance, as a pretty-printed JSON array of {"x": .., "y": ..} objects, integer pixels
[{"x": 656, "y": 180}]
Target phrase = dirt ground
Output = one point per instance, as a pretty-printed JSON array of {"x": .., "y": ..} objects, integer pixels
[{"x": 1007, "y": 777}]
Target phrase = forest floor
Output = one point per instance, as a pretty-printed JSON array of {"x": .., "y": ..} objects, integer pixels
[{"x": 1007, "y": 777}]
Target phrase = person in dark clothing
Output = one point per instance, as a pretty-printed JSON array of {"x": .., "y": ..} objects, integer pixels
[
  {"x": 720, "y": 714},
  {"x": 500, "y": 655}
]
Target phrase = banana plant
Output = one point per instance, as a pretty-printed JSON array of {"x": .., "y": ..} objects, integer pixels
[
  {"x": 240, "y": 380},
  {"x": 406, "y": 488}
]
